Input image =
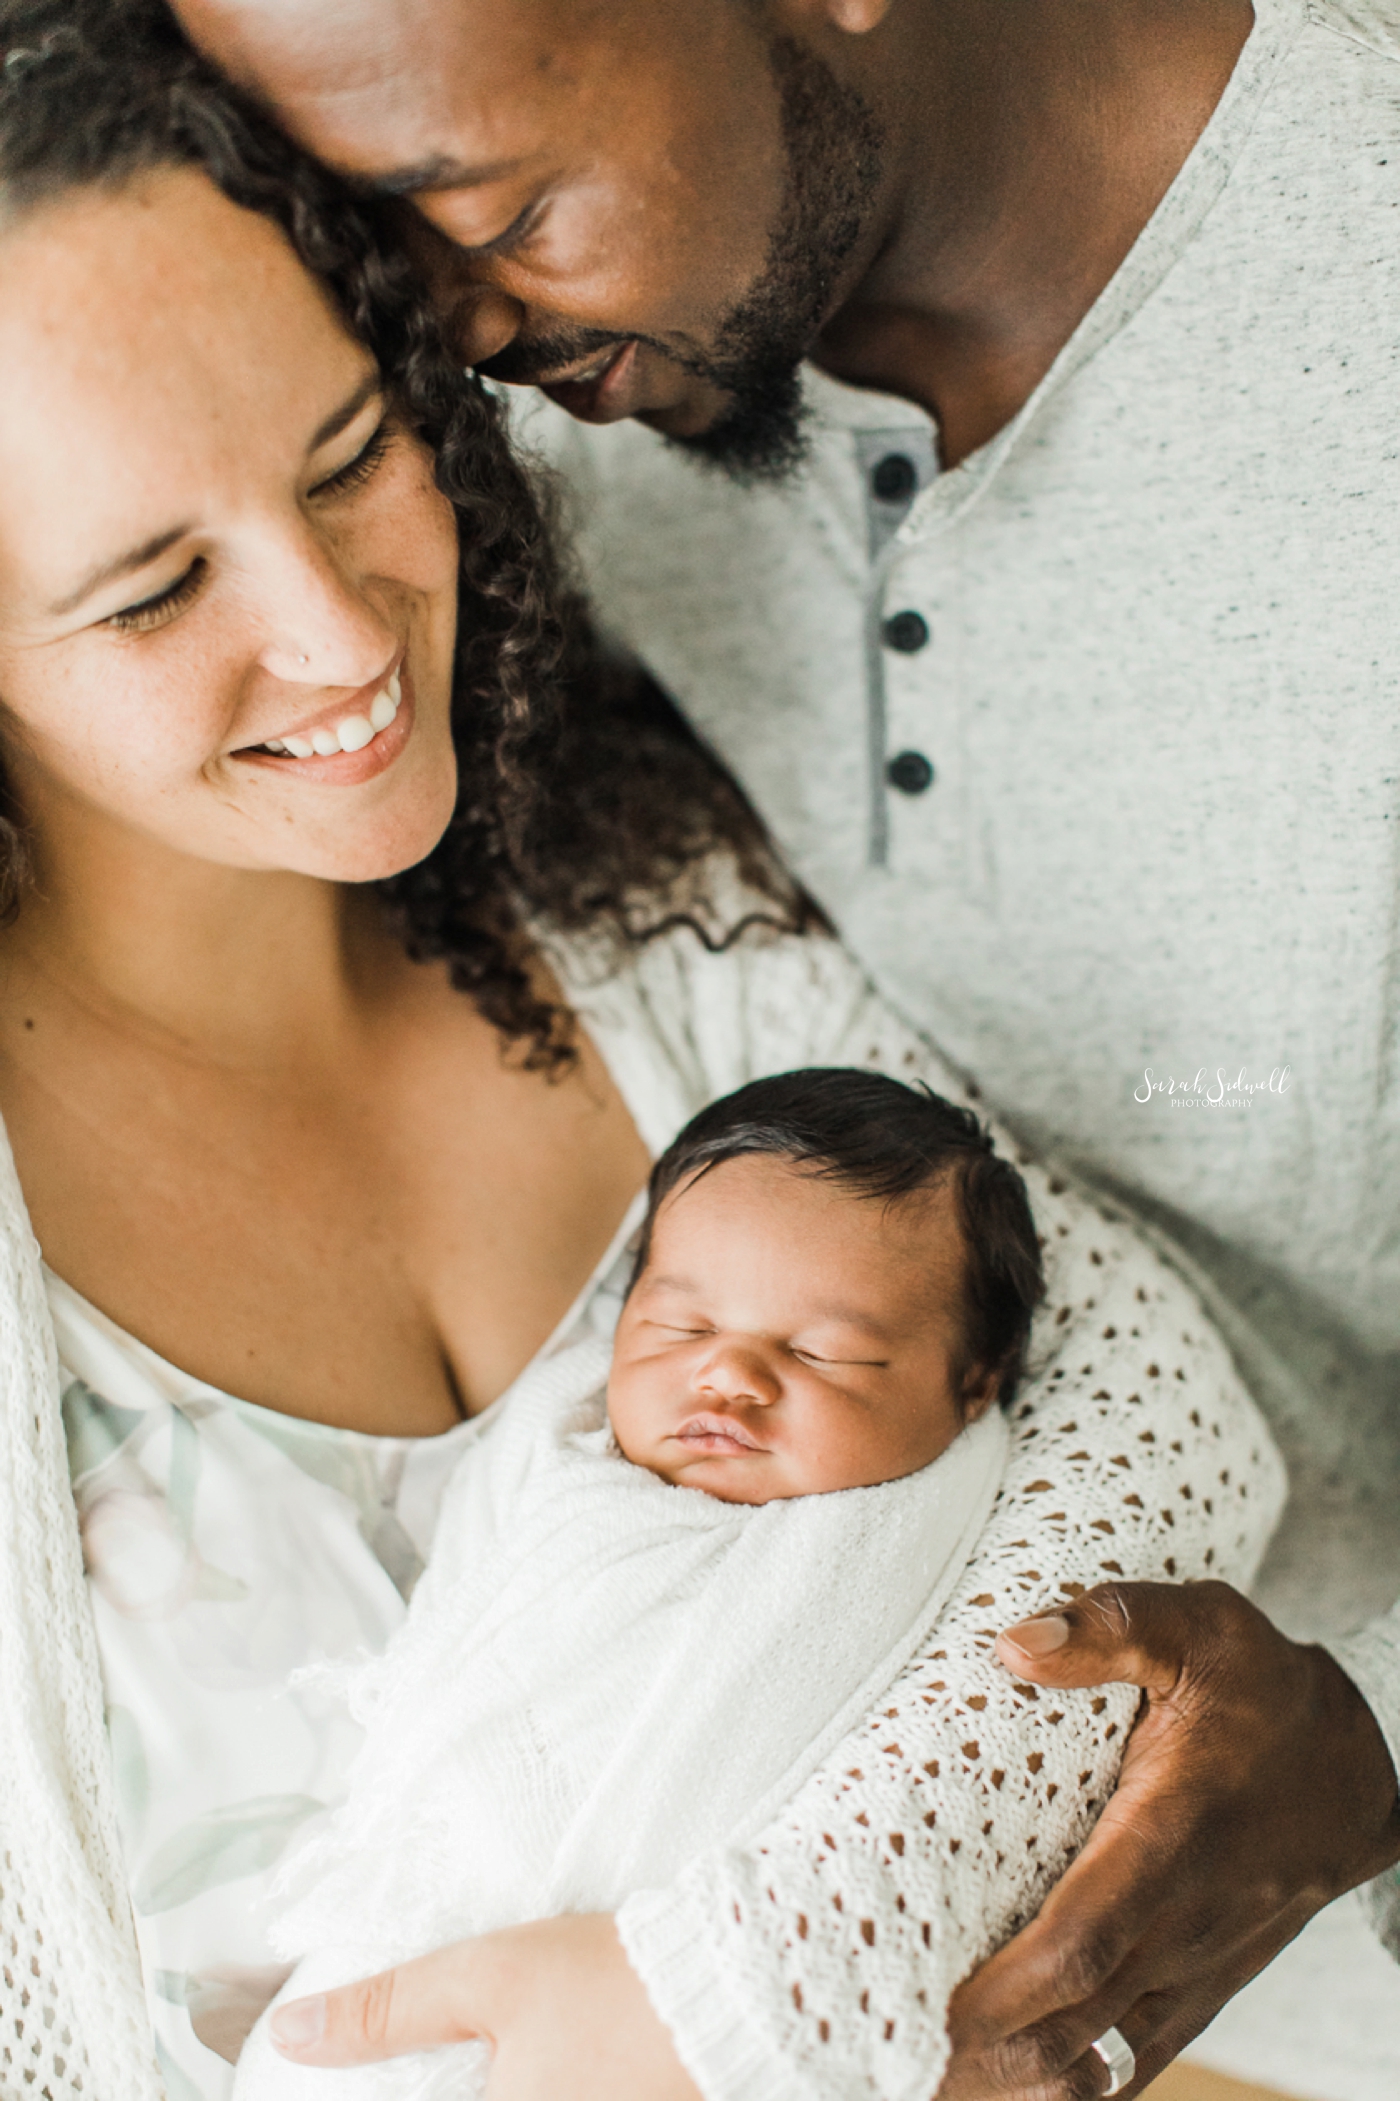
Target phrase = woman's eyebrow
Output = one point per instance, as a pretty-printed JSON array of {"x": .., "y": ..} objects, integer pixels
[
  {"x": 335, "y": 423},
  {"x": 121, "y": 565},
  {"x": 151, "y": 550}
]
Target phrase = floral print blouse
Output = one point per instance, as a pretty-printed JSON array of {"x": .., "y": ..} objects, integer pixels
[{"x": 227, "y": 1545}]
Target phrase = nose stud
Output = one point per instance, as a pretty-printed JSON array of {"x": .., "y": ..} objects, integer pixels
[{"x": 303, "y": 660}]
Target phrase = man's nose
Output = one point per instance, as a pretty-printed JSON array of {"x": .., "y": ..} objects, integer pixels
[
  {"x": 478, "y": 320},
  {"x": 483, "y": 322},
  {"x": 737, "y": 1372}
]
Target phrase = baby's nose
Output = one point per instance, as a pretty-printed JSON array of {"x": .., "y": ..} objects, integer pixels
[{"x": 736, "y": 1372}]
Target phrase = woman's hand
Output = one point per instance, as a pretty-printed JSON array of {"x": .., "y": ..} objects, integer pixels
[
  {"x": 1256, "y": 1787},
  {"x": 565, "y": 2012}
]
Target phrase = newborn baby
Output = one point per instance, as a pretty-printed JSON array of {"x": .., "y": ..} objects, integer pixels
[
  {"x": 603, "y": 1671},
  {"x": 836, "y": 1275}
]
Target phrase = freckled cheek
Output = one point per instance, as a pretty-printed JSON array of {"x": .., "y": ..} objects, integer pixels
[
  {"x": 110, "y": 721},
  {"x": 412, "y": 547},
  {"x": 404, "y": 516}
]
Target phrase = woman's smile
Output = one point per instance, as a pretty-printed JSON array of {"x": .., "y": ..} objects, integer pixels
[
  {"x": 343, "y": 746},
  {"x": 258, "y": 553}
]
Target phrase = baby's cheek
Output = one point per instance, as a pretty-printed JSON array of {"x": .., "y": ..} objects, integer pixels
[
  {"x": 859, "y": 1444},
  {"x": 633, "y": 1413},
  {"x": 834, "y": 1443}
]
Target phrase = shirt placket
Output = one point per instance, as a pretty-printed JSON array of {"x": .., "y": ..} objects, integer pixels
[{"x": 896, "y": 465}]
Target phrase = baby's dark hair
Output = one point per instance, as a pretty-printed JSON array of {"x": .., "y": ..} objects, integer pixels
[{"x": 878, "y": 1138}]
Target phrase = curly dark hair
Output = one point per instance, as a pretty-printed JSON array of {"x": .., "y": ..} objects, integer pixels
[{"x": 583, "y": 799}]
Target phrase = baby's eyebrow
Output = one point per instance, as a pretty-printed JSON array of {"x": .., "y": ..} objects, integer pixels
[{"x": 861, "y": 1322}]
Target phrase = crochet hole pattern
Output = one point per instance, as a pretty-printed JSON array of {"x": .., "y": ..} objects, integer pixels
[
  {"x": 941, "y": 1825},
  {"x": 37, "y": 2054}
]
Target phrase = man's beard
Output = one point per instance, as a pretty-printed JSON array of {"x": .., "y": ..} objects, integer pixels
[
  {"x": 832, "y": 150},
  {"x": 832, "y": 144}
]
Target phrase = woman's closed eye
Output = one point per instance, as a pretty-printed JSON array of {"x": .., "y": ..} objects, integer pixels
[
  {"x": 165, "y": 605},
  {"x": 357, "y": 471}
]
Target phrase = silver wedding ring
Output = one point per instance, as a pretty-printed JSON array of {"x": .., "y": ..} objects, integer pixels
[{"x": 1116, "y": 2053}]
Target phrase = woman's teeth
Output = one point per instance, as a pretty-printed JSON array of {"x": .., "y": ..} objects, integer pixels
[{"x": 351, "y": 734}]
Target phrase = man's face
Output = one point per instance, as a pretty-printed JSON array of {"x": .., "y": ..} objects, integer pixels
[{"x": 648, "y": 208}]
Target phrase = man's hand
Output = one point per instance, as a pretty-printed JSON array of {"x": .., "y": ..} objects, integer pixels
[
  {"x": 566, "y": 2015},
  {"x": 1256, "y": 1788}
]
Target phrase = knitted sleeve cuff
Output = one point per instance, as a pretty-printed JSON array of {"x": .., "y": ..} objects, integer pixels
[{"x": 669, "y": 1937}]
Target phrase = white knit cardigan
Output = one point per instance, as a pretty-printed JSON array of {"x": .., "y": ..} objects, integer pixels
[{"x": 814, "y": 1963}]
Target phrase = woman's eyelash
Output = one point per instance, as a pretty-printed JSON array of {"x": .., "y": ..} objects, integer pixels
[
  {"x": 177, "y": 595},
  {"x": 358, "y": 470},
  {"x": 151, "y": 612}
]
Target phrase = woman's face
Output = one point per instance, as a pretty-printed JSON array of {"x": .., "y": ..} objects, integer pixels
[{"x": 215, "y": 552}]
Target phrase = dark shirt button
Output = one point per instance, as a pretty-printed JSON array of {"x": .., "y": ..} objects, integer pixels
[
  {"x": 910, "y": 772},
  {"x": 894, "y": 478},
  {"x": 905, "y": 632}
]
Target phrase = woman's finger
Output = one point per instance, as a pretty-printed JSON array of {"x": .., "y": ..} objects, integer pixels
[
  {"x": 420, "y": 2005},
  {"x": 565, "y": 2014}
]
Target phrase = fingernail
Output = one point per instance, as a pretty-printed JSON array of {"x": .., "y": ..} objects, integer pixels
[
  {"x": 299, "y": 2023},
  {"x": 1039, "y": 1637}
]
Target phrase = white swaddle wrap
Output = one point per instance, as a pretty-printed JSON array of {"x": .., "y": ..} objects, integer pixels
[{"x": 601, "y": 1675}]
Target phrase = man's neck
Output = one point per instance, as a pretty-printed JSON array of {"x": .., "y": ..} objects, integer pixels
[{"x": 1030, "y": 146}]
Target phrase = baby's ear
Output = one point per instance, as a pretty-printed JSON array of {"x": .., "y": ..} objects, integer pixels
[{"x": 981, "y": 1390}]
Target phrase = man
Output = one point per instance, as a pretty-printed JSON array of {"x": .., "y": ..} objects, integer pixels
[{"x": 1058, "y": 646}]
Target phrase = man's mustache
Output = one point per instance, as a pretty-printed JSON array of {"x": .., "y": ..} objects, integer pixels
[{"x": 527, "y": 357}]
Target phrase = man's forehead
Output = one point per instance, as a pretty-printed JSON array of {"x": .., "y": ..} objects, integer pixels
[{"x": 375, "y": 83}]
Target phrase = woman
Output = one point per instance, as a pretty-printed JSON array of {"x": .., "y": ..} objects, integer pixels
[{"x": 363, "y": 952}]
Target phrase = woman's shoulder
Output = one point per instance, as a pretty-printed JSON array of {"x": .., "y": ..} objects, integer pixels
[{"x": 720, "y": 994}]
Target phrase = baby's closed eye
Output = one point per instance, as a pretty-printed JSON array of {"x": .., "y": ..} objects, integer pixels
[{"x": 834, "y": 1358}]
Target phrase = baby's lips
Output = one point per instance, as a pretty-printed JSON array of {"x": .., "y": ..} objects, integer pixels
[{"x": 697, "y": 1426}]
